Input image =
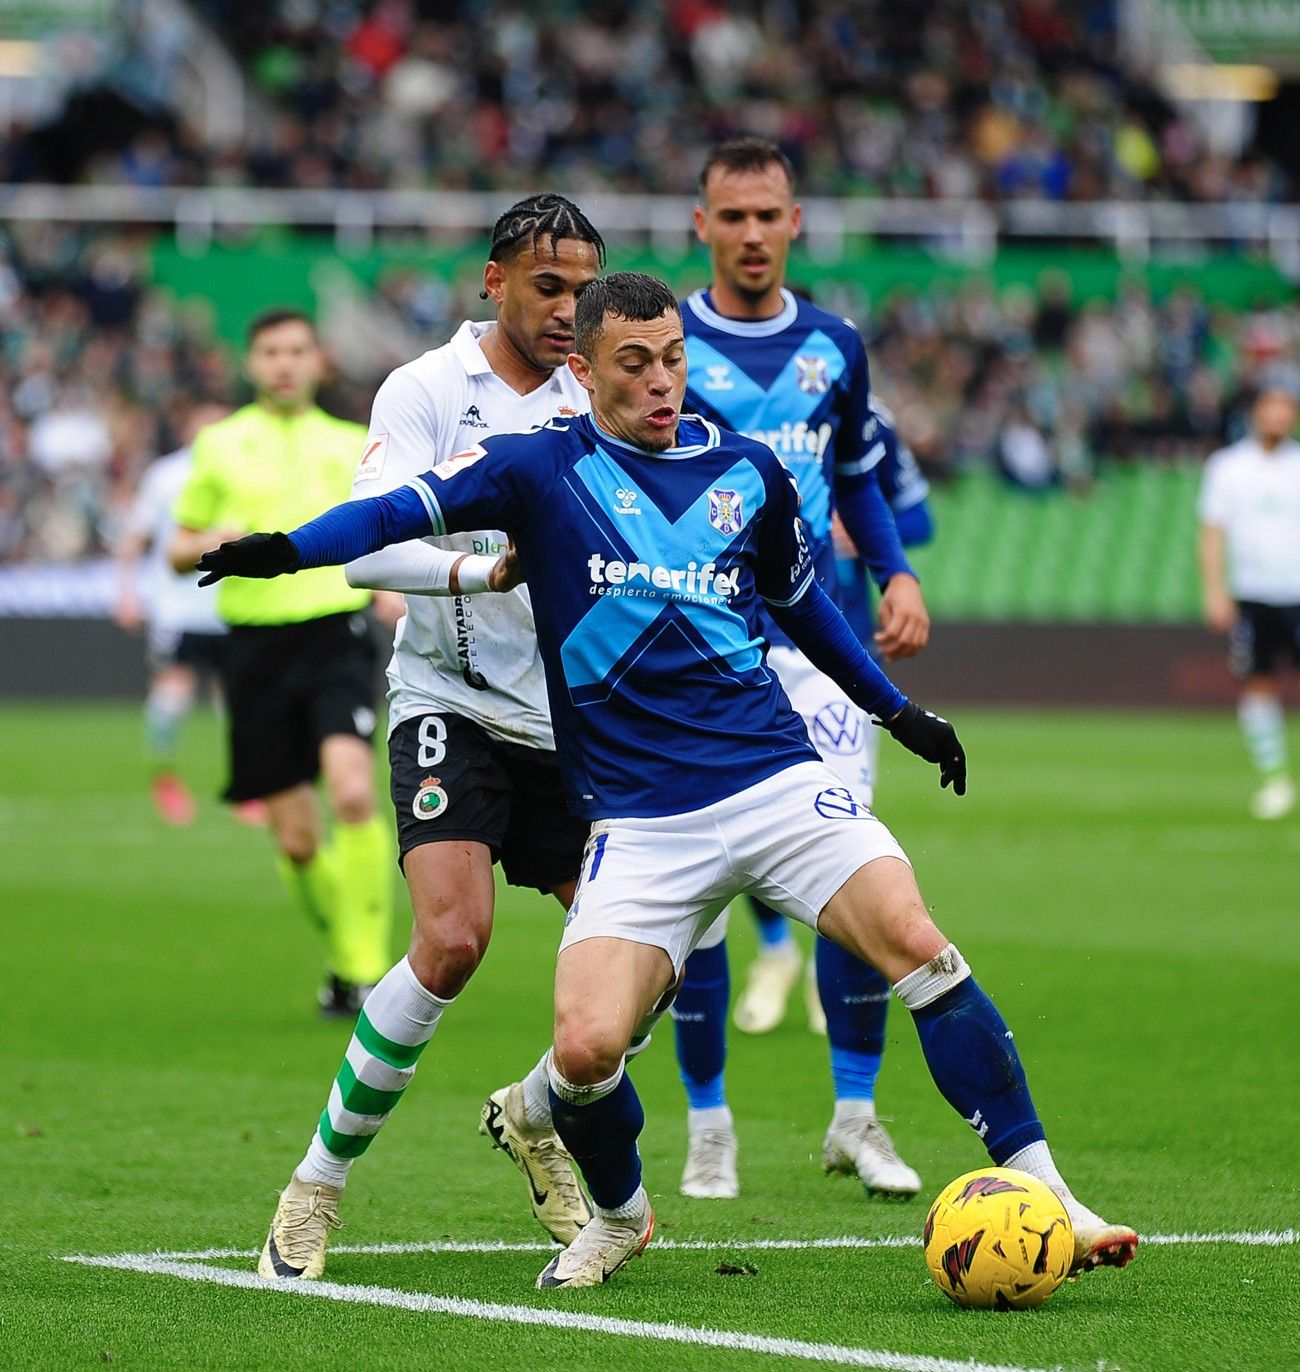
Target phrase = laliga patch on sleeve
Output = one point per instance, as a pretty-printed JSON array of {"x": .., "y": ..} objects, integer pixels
[
  {"x": 371, "y": 466},
  {"x": 457, "y": 462}
]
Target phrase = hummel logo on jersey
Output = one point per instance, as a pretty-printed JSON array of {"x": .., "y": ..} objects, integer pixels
[
  {"x": 719, "y": 378},
  {"x": 627, "y": 502},
  {"x": 812, "y": 373},
  {"x": 472, "y": 419},
  {"x": 725, "y": 513}
]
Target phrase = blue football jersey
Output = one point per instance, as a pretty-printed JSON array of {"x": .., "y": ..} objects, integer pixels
[
  {"x": 901, "y": 478},
  {"x": 799, "y": 384},
  {"x": 647, "y": 572}
]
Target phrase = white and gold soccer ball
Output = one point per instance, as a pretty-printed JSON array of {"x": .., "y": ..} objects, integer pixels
[{"x": 998, "y": 1239}]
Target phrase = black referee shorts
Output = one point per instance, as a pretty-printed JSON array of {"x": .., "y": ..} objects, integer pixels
[
  {"x": 1263, "y": 637},
  {"x": 288, "y": 688},
  {"x": 451, "y": 779}
]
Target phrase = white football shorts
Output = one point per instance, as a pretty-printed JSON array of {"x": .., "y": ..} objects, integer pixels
[
  {"x": 792, "y": 840},
  {"x": 841, "y": 732}
]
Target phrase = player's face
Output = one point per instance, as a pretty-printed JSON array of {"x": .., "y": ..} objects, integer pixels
[
  {"x": 285, "y": 365},
  {"x": 535, "y": 293},
  {"x": 1274, "y": 416},
  {"x": 748, "y": 220},
  {"x": 637, "y": 379}
]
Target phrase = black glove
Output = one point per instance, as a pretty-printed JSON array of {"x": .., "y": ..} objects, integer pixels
[
  {"x": 933, "y": 739},
  {"x": 259, "y": 555}
]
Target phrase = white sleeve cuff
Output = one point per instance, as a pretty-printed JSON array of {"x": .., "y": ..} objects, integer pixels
[{"x": 473, "y": 572}]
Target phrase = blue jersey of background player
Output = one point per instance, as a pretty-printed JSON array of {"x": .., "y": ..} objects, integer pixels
[
  {"x": 907, "y": 492},
  {"x": 781, "y": 370}
]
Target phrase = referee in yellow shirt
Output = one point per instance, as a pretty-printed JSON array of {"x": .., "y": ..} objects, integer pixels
[{"x": 299, "y": 670}]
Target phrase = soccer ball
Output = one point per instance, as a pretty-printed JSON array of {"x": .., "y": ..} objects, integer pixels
[{"x": 998, "y": 1239}]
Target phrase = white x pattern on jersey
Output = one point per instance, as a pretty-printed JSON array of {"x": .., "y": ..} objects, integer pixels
[{"x": 474, "y": 656}]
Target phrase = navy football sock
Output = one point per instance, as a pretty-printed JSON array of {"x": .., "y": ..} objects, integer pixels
[
  {"x": 973, "y": 1060},
  {"x": 601, "y": 1135},
  {"x": 773, "y": 927},
  {"x": 700, "y": 1025},
  {"x": 855, "y": 998}
]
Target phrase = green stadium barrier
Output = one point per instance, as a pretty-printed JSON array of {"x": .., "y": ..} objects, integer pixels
[{"x": 1122, "y": 551}]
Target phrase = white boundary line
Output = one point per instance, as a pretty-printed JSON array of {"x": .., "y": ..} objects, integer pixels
[
  {"x": 1252, "y": 1238},
  {"x": 192, "y": 1267},
  {"x": 837, "y": 1354}
]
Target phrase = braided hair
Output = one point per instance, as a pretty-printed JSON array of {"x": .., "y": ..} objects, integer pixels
[{"x": 540, "y": 217}]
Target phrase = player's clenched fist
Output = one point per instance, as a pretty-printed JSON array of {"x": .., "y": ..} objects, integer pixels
[
  {"x": 258, "y": 555},
  {"x": 934, "y": 739}
]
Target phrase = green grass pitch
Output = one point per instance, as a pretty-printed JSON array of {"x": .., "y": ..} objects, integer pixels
[{"x": 161, "y": 1067}]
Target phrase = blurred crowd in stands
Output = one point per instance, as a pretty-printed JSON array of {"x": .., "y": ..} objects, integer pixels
[
  {"x": 97, "y": 370},
  {"x": 948, "y": 99}
]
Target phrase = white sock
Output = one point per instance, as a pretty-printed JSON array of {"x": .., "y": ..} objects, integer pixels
[
  {"x": 537, "y": 1099},
  {"x": 630, "y": 1208},
  {"x": 851, "y": 1110},
  {"x": 1036, "y": 1159},
  {"x": 1264, "y": 728},
  {"x": 712, "y": 1117}
]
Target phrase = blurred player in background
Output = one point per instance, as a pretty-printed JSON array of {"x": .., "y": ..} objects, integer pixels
[
  {"x": 474, "y": 773},
  {"x": 300, "y": 664},
  {"x": 1250, "y": 578},
  {"x": 183, "y": 632},
  {"x": 776, "y": 368}
]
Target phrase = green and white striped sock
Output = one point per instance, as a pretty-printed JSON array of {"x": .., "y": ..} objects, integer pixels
[{"x": 391, "y": 1032}]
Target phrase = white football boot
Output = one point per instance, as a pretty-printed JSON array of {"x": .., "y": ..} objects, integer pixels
[
  {"x": 300, "y": 1229},
  {"x": 773, "y": 974},
  {"x": 1275, "y": 799},
  {"x": 710, "y": 1172},
  {"x": 1096, "y": 1243},
  {"x": 553, "y": 1189},
  {"x": 603, "y": 1246},
  {"x": 861, "y": 1145}
]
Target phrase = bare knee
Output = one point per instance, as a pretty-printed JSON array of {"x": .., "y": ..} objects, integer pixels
[
  {"x": 585, "y": 1051},
  {"x": 296, "y": 839},
  {"x": 878, "y": 914},
  {"x": 353, "y": 802},
  {"x": 447, "y": 945}
]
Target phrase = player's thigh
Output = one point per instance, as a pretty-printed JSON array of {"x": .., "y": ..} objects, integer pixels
[
  {"x": 1258, "y": 641},
  {"x": 544, "y": 842},
  {"x": 879, "y": 916},
  {"x": 800, "y": 835},
  {"x": 837, "y": 728},
  {"x": 294, "y": 819},
  {"x": 655, "y": 882},
  {"x": 604, "y": 988},
  {"x": 448, "y": 785},
  {"x": 347, "y": 765}
]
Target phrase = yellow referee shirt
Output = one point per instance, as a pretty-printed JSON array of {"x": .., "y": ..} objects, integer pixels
[{"x": 258, "y": 471}]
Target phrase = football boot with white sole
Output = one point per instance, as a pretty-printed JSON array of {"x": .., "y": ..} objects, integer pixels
[
  {"x": 773, "y": 975},
  {"x": 862, "y": 1146},
  {"x": 603, "y": 1246},
  {"x": 553, "y": 1188},
  {"x": 710, "y": 1172},
  {"x": 295, "y": 1243}
]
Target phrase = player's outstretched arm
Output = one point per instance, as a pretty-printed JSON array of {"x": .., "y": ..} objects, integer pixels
[
  {"x": 821, "y": 632},
  {"x": 340, "y": 535}
]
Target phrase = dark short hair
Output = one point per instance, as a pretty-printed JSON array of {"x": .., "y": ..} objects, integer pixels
[
  {"x": 625, "y": 295},
  {"x": 269, "y": 319},
  {"x": 537, "y": 219},
  {"x": 746, "y": 154}
]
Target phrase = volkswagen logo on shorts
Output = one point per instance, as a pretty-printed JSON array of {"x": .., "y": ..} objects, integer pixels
[
  {"x": 838, "y": 802},
  {"x": 837, "y": 728}
]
